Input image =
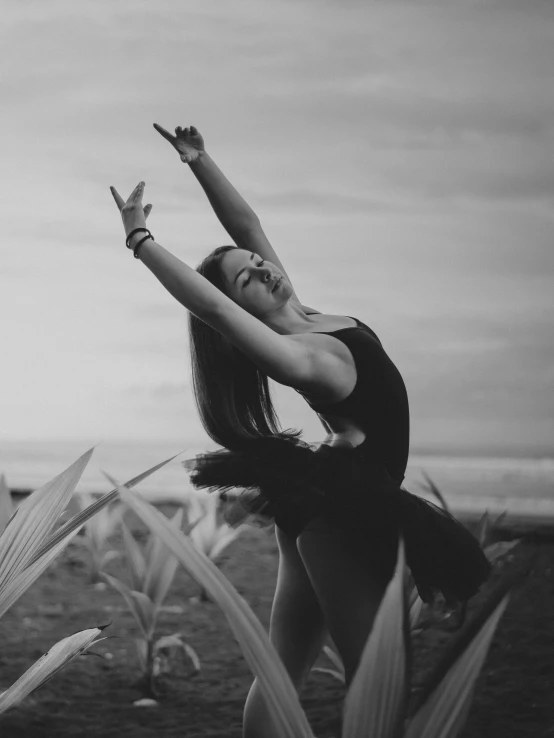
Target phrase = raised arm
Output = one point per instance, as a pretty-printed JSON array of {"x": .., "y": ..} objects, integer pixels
[
  {"x": 235, "y": 215},
  {"x": 281, "y": 357}
]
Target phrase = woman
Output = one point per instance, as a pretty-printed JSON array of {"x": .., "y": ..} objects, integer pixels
[{"x": 339, "y": 506}]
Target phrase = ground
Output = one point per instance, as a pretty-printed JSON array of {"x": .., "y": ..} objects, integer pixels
[{"x": 93, "y": 697}]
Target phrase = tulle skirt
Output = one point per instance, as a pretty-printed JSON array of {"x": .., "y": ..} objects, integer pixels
[{"x": 283, "y": 480}]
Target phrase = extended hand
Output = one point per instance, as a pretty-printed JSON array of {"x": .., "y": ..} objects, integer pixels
[
  {"x": 132, "y": 212},
  {"x": 188, "y": 143}
]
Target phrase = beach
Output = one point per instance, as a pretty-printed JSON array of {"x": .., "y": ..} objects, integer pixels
[{"x": 93, "y": 696}]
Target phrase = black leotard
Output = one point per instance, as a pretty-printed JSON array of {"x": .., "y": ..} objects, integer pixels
[
  {"x": 379, "y": 401},
  {"x": 289, "y": 482}
]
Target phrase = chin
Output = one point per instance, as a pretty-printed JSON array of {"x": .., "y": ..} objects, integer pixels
[{"x": 284, "y": 291}]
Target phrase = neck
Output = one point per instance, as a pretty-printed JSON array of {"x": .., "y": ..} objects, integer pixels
[{"x": 289, "y": 318}]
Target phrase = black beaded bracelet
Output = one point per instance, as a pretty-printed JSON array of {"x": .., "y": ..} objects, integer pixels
[
  {"x": 139, "y": 244},
  {"x": 136, "y": 230}
]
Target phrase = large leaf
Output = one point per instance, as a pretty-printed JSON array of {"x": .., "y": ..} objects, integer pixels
[
  {"x": 139, "y": 604},
  {"x": 335, "y": 658},
  {"x": 97, "y": 530},
  {"x": 339, "y": 675},
  {"x": 6, "y": 505},
  {"x": 445, "y": 712},
  {"x": 106, "y": 557},
  {"x": 210, "y": 536},
  {"x": 500, "y": 548},
  {"x": 435, "y": 490},
  {"x": 206, "y": 530},
  {"x": 376, "y": 701},
  {"x": 225, "y": 535},
  {"x": 415, "y": 606},
  {"x": 102, "y": 525},
  {"x": 196, "y": 504},
  {"x": 161, "y": 566},
  {"x": 34, "y": 520},
  {"x": 483, "y": 528},
  {"x": 135, "y": 559},
  {"x": 77, "y": 520},
  {"x": 279, "y": 692},
  {"x": 17, "y": 585},
  {"x": 48, "y": 665},
  {"x": 449, "y": 688},
  {"x": 486, "y": 526},
  {"x": 164, "y": 649}
]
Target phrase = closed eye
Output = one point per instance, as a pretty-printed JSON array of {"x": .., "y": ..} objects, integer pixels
[{"x": 246, "y": 281}]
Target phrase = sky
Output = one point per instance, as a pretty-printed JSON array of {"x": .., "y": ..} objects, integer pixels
[{"x": 398, "y": 155}]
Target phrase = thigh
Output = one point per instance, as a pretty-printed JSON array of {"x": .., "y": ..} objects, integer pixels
[
  {"x": 349, "y": 587},
  {"x": 297, "y": 624}
]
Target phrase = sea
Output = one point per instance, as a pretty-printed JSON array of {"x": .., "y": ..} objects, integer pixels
[{"x": 523, "y": 487}]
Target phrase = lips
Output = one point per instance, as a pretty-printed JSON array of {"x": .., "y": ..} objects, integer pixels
[{"x": 277, "y": 283}]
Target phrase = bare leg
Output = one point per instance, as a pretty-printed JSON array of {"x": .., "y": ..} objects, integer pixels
[
  {"x": 348, "y": 590},
  {"x": 297, "y": 630}
]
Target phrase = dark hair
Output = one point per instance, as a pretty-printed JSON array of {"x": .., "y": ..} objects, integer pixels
[{"x": 231, "y": 393}]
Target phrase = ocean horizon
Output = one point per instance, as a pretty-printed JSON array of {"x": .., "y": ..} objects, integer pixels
[{"x": 468, "y": 482}]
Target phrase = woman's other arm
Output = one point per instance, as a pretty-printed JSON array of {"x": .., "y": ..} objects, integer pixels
[
  {"x": 233, "y": 212},
  {"x": 283, "y": 358}
]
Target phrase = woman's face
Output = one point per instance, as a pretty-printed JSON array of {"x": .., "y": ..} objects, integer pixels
[{"x": 256, "y": 285}]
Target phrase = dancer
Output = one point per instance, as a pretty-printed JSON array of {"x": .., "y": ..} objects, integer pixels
[{"x": 338, "y": 506}]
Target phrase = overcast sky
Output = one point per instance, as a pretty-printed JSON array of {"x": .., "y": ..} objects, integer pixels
[{"x": 398, "y": 154}]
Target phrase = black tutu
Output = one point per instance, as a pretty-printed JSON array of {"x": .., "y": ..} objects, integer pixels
[{"x": 286, "y": 481}]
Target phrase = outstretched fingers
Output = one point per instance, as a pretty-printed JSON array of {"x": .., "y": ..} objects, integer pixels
[
  {"x": 134, "y": 197},
  {"x": 166, "y": 134},
  {"x": 119, "y": 201},
  {"x": 136, "y": 194}
]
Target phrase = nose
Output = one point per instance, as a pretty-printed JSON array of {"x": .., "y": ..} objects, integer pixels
[{"x": 266, "y": 273}]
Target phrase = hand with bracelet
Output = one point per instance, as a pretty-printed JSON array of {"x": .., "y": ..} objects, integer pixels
[{"x": 134, "y": 217}]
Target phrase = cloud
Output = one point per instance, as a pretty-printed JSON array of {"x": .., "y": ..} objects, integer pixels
[
  {"x": 323, "y": 203},
  {"x": 398, "y": 154},
  {"x": 162, "y": 392}
]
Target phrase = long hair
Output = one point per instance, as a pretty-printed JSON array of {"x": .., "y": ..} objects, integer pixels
[{"x": 232, "y": 395}]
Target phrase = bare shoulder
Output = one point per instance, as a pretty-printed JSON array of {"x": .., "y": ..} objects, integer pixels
[{"x": 331, "y": 370}]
